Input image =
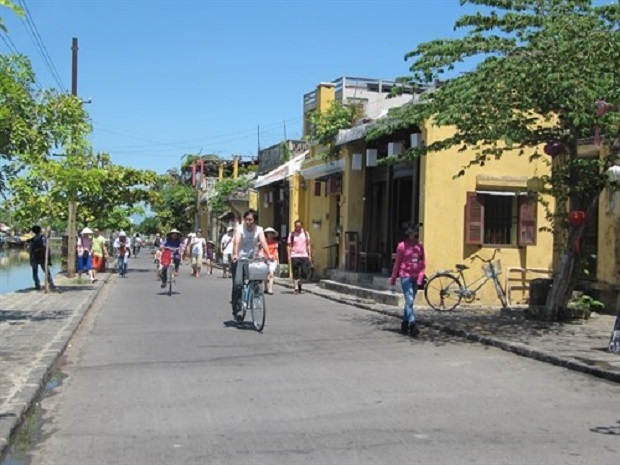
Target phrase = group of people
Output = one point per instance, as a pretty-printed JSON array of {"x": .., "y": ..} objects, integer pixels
[{"x": 247, "y": 241}]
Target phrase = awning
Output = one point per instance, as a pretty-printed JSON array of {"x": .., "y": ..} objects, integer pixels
[
  {"x": 281, "y": 172},
  {"x": 324, "y": 169},
  {"x": 502, "y": 193}
]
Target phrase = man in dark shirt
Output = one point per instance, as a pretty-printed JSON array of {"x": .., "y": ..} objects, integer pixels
[{"x": 38, "y": 248}]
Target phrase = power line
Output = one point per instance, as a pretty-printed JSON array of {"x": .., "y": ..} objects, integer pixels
[
  {"x": 37, "y": 40},
  {"x": 13, "y": 50}
]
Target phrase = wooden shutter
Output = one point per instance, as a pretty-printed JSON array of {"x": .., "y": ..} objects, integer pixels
[
  {"x": 317, "y": 188},
  {"x": 527, "y": 220},
  {"x": 474, "y": 219}
]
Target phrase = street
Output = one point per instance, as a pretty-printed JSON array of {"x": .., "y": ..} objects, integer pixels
[{"x": 152, "y": 379}]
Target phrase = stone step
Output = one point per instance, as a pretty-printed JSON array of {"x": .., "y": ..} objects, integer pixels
[{"x": 385, "y": 297}]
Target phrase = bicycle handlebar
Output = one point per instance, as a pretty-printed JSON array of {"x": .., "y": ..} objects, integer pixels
[{"x": 489, "y": 260}]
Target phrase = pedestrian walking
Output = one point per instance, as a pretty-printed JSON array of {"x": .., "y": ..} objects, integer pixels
[
  {"x": 100, "y": 252},
  {"x": 409, "y": 267},
  {"x": 85, "y": 254},
  {"x": 198, "y": 246},
  {"x": 210, "y": 256},
  {"x": 226, "y": 247},
  {"x": 299, "y": 249},
  {"x": 272, "y": 246},
  {"x": 38, "y": 252}
]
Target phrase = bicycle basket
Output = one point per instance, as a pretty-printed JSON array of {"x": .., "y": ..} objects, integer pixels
[
  {"x": 258, "y": 271},
  {"x": 497, "y": 265}
]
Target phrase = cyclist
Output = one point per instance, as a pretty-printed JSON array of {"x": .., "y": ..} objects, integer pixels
[
  {"x": 172, "y": 241},
  {"x": 247, "y": 239}
]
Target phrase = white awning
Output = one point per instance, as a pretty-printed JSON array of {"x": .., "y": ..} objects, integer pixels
[
  {"x": 501, "y": 193},
  {"x": 325, "y": 169},
  {"x": 281, "y": 172}
]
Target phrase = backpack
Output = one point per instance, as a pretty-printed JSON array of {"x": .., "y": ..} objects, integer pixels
[
  {"x": 291, "y": 237},
  {"x": 38, "y": 248}
]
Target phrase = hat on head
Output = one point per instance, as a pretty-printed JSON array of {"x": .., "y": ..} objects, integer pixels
[
  {"x": 174, "y": 231},
  {"x": 271, "y": 230},
  {"x": 122, "y": 234},
  {"x": 230, "y": 228},
  {"x": 87, "y": 231}
]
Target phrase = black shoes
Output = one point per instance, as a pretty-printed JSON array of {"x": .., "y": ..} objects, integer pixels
[
  {"x": 404, "y": 327},
  {"x": 409, "y": 328}
]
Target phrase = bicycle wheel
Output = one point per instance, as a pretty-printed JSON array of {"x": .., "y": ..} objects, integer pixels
[
  {"x": 258, "y": 308},
  {"x": 443, "y": 292},
  {"x": 170, "y": 271}
]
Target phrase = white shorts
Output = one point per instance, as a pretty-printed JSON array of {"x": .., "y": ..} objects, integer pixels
[{"x": 273, "y": 266}]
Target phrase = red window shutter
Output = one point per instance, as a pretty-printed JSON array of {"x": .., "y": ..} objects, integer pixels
[
  {"x": 317, "y": 188},
  {"x": 527, "y": 220},
  {"x": 474, "y": 219}
]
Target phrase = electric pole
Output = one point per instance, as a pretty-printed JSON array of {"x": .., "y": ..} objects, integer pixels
[{"x": 71, "y": 223}]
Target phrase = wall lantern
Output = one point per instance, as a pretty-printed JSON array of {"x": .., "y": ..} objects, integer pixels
[
  {"x": 394, "y": 148},
  {"x": 535, "y": 184},
  {"x": 356, "y": 162},
  {"x": 371, "y": 157},
  {"x": 415, "y": 140},
  {"x": 577, "y": 218},
  {"x": 554, "y": 148},
  {"x": 613, "y": 172}
]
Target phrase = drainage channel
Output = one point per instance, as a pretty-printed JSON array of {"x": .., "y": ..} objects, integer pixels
[{"x": 28, "y": 435}]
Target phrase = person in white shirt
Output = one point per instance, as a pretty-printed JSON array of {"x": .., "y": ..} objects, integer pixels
[
  {"x": 198, "y": 246},
  {"x": 248, "y": 237},
  {"x": 226, "y": 247}
]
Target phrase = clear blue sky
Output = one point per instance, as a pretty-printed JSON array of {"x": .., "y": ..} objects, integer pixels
[{"x": 174, "y": 77}]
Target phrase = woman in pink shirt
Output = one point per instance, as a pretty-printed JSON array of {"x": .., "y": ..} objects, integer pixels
[{"x": 409, "y": 267}]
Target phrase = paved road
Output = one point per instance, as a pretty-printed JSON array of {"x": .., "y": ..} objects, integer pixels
[{"x": 152, "y": 379}]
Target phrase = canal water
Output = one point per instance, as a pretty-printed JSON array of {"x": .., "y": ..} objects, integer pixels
[{"x": 15, "y": 269}]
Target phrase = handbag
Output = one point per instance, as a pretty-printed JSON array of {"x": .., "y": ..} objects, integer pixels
[{"x": 424, "y": 282}]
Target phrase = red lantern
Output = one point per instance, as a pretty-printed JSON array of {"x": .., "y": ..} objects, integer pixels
[
  {"x": 554, "y": 148},
  {"x": 577, "y": 218}
]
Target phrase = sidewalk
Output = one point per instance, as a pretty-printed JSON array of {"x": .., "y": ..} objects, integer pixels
[
  {"x": 579, "y": 346},
  {"x": 35, "y": 329}
]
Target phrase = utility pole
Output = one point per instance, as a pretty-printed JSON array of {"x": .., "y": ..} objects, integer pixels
[{"x": 71, "y": 223}]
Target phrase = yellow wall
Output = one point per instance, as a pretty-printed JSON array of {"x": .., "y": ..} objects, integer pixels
[
  {"x": 265, "y": 210},
  {"x": 443, "y": 212},
  {"x": 352, "y": 199}
]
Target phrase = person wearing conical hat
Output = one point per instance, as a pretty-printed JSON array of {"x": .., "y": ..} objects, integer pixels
[
  {"x": 85, "y": 254},
  {"x": 272, "y": 247},
  {"x": 174, "y": 240}
]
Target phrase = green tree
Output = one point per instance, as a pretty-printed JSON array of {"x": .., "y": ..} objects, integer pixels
[
  {"x": 174, "y": 202},
  {"x": 150, "y": 225},
  {"x": 223, "y": 189},
  {"x": 11, "y": 6},
  {"x": 325, "y": 126},
  {"x": 543, "y": 66},
  {"x": 106, "y": 194}
]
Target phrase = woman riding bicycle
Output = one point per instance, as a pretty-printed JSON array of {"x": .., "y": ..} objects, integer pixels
[
  {"x": 170, "y": 252},
  {"x": 248, "y": 236}
]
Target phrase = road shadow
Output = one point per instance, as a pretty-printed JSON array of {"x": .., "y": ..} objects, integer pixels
[
  {"x": 243, "y": 325},
  {"x": 613, "y": 430},
  {"x": 22, "y": 315}
]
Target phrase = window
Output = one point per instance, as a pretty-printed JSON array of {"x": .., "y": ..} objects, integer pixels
[{"x": 500, "y": 218}]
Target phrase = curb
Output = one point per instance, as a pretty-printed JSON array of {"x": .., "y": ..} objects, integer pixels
[
  {"x": 515, "y": 348},
  {"x": 25, "y": 398}
]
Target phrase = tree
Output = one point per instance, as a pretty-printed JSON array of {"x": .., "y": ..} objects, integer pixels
[
  {"x": 150, "y": 226},
  {"x": 326, "y": 124},
  {"x": 223, "y": 189},
  {"x": 174, "y": 202},
  {"x": 543, "y": 66},
  {"x": 106, "y": 194}
]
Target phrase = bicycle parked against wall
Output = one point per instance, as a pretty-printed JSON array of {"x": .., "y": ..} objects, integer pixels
[
  {"x": 252, "y": 297},
  {"x": 446, "y": 288}
]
